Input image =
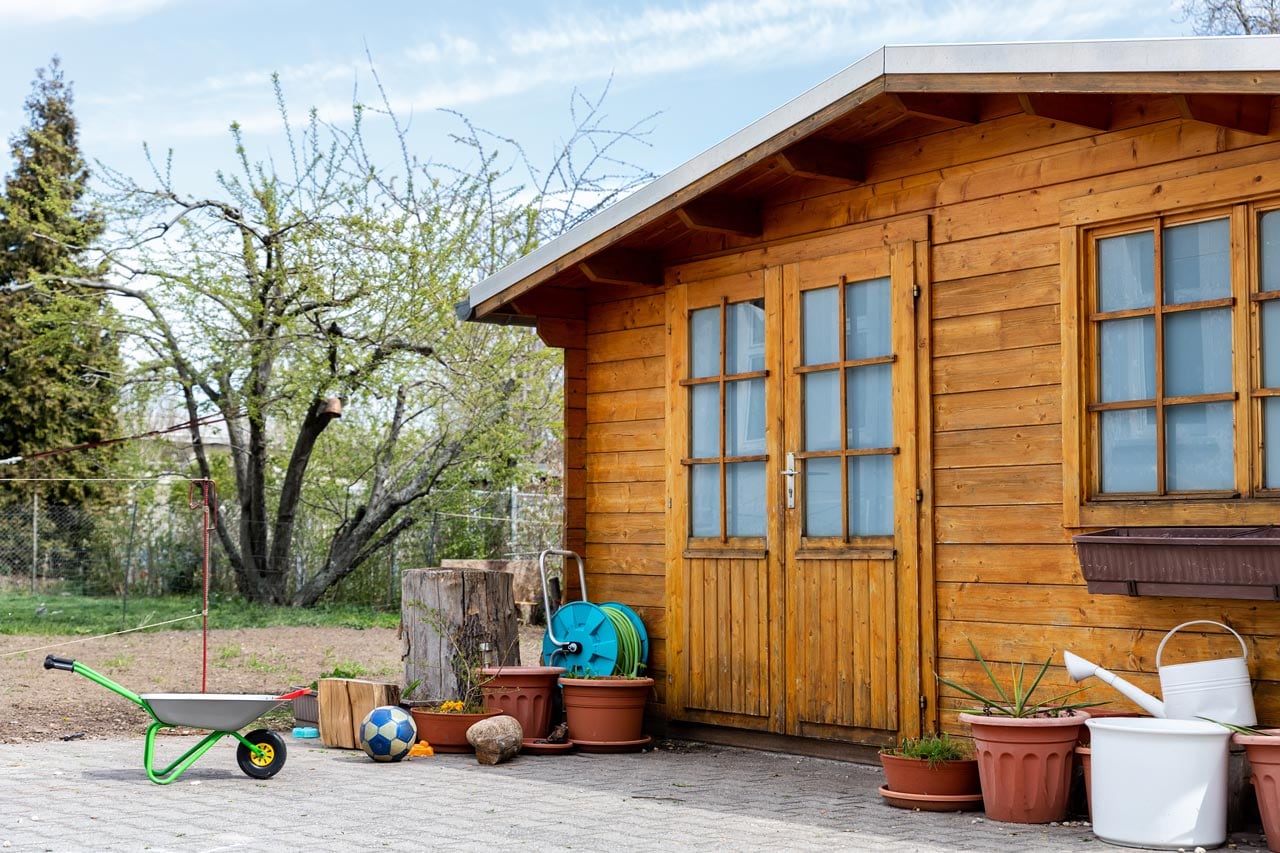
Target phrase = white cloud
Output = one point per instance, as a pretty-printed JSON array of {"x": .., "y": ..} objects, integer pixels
[{"x": 17, "y": 12}]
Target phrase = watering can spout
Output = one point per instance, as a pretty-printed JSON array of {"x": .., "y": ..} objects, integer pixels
[{"x": 1079, "y": 669}]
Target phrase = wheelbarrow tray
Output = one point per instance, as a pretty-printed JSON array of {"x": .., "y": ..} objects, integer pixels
[{"x": 225, "y": 712}]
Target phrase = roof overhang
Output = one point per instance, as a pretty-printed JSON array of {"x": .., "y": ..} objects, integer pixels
[{"x": 1117, "y": 66}]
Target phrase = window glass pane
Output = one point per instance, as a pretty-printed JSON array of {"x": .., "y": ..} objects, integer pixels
[
  {"x": 1197, "y": 262},
  {"x": 704, "y": 420},
  {"x": 822, "y": 410},
  {"x": 744, "y": 417},
  {"x": 1271, "y": 435},
  {"x": 869, "y": 398},
  {"x": 867, "y": 319},
  {"x": 1129, "y": 450},
  {"x": 1197, "y": 352},
  {"x": 1270, "y": 344},
  {"x": 1126, "y": 272},
  {"x": 745, "y": 331},
  {"x": 1127, "y": 353},
  {"x": 871, "y": 495},
  {"x": 821, "y": 314},
  {"x": 704, "y": 500},
  {"x": 1269, "y": 250},
  {"x": 704, "y": 342},
  {"x": 822, "y": 497},
  {"x": 744, "y": 481},
  {"x": 1198, "y": 447}
]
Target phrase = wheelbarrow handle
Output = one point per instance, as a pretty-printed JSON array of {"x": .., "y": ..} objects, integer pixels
[{"x": 54, "y": 662}]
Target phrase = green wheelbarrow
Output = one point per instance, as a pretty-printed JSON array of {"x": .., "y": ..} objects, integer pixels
[{"x": 261, "y": 752}]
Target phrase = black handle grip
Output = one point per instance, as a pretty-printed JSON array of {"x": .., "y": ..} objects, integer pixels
[{"x": 51, "y": 662}]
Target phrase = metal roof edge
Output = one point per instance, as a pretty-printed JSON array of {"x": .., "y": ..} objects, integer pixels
[{"x": 1205, "y": 54}]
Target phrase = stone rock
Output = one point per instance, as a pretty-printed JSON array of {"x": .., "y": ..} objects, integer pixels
[{"x": 496, "y": 739}]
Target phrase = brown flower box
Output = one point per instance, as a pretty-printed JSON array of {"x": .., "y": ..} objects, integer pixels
[{"x": 1187, "y": 562}]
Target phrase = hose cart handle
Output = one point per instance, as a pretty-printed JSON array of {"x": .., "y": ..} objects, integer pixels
[{"x": 52, "y": 662}]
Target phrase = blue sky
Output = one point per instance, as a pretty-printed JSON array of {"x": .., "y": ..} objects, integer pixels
[{"x": 176, "y": 73}]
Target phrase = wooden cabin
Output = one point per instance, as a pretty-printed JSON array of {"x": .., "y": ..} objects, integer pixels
[{"x": 840, "y": 391}]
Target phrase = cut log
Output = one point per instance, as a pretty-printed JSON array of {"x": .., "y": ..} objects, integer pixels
[
  {"x": 448, "y": 618},
  {"x": 344, "y": 703}
]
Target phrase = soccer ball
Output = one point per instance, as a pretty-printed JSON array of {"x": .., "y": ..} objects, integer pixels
[{"x": 387, "y": 733}]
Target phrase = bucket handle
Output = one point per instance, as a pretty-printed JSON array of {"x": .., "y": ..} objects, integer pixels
[{"x": 1243, "y": 648}]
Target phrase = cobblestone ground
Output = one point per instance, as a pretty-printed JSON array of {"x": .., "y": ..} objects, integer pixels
[{"x": 94, "y": 795}]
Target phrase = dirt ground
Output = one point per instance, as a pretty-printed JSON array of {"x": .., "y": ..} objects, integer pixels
[{"x": 38, "y": 704}]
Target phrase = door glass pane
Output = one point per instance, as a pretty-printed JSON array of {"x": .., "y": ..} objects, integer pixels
[
  {"x": 704, "y": 500},
  {"x": 822, "y": 410},
  {"x": 1197, "y": 352},
  {"x": 822, "y": 497},
  {"x": 1199, "y": 447},
  {"x": 1271, "y": 435},
  {"x": 744, "y": 482},
  {"x": 704, "y": 420},
  {"x": 744, "y": 417},
  {"x": 1126, "y": 272},
  {"x": 869, "y": 398},
  {"x": 1269, "y": 250},
  {"x": 1197, "y": 262},
  {"x": 1127, "y": 353},
  {"x": 745, "y": 353},
  {"x": 820, "y": 311},
  {"x": 704, "y": 342},
  {"x": 1129, "y": 450},
  {"x": 870, "y": 495},
  {"x": 867, "y": 319},
  {"x": 1271, "y": 344}
]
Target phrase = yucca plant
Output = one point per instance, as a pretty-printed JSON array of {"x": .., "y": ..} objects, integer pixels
[{"x": 1016, "y": 700}]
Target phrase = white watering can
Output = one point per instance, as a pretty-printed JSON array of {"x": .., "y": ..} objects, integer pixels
[{"x": 1218, "y": 690}]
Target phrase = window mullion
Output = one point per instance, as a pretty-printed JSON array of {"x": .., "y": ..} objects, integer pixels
[
  {"x": 1158, "y": 275},
  {"x": 844, "y": 406},
  {"x": 724, "y": 412}
]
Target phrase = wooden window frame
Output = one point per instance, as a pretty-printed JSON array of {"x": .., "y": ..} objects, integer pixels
[{"x": 1240, "y": 194}]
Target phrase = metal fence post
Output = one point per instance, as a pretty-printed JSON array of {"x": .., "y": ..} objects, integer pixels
[{"x": 35, "y": 537}]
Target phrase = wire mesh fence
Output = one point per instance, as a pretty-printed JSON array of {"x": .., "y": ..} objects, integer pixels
[{"x": 150, "y": 542}]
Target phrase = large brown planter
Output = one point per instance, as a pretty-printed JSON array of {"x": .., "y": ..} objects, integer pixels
[
  {"x": 447, "y": 732},
  {"x": 1264, "y": 755},
  {"x": 606, "y": 710},
  {"x": 524, "y": 692},
  {"x": 1025, "y": 765}
]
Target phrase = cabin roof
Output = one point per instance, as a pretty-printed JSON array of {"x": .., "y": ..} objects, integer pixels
[{"x": 914, "y": 88}]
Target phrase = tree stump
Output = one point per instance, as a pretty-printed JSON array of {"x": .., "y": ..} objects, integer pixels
[{"x": 446, "y": 615}]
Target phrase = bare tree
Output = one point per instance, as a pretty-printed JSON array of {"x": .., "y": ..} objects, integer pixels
[
  {"x": 1232, "y": 17},
  {"x": 333, "y": 276}
]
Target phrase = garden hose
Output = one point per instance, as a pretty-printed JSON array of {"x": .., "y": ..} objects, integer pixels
[{"x": 629, "y": 662}]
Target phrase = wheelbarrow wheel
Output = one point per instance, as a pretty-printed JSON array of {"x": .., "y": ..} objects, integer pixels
[{"x": 267, "y": 764}]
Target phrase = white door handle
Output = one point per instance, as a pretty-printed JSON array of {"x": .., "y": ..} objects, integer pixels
[{"x": 790, "y": 473}]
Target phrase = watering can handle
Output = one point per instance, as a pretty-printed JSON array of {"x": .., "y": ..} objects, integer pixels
[{"x": 1243, "y": 648}]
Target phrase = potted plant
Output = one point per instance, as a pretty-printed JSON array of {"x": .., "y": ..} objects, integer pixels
[
  {"x": 933, "y": 773},
  {"x": 524, "y": 692},
  {"x": 1262, "y": 748},
  {"x": 1024, "y": 745},
  {"x": 605, "y": 713}
]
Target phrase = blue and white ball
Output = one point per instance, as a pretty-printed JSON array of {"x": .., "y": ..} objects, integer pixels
[{"x": 387, "y": 733}]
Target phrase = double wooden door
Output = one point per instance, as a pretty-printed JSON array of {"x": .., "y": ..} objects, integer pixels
[{"x": 793, "y": 495}]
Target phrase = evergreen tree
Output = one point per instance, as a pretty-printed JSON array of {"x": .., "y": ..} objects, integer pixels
[{"x": 58, "y": 361}]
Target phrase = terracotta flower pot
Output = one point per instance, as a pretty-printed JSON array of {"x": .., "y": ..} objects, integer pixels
[
  {"x": 1263, "y": 752},
  {"x": 1025, "y": 765},
  {"x": 945, "y": 778},
  {"x": 524, "y": 692},
  {"x": 447, "y": 732},
  {"x": 606, "y": 710}
]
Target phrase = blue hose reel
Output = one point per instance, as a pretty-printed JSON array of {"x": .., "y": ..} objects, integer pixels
[{"x": 591, "y": 639}]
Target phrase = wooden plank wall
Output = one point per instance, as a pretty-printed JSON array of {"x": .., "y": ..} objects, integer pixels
[{"x": 624, "y": 456}]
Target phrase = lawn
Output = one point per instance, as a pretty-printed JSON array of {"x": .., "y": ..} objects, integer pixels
[{"x": 60, "y": 613}]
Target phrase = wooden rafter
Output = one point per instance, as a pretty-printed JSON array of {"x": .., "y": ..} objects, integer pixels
[
  {"x": 1072, "y": 108},
  {"x": 823, "y": 158},
  {"x": 623, "y": 266},
  {"x": 723, "y": 214},
  {"x": 961, "y": 108},
  {"x": 1250, "y": 113}
]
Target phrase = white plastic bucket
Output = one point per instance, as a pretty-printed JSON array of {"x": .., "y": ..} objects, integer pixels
[
  {"x": 1159, "y": 783},
  {"x": 1218, "y": 690}
]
